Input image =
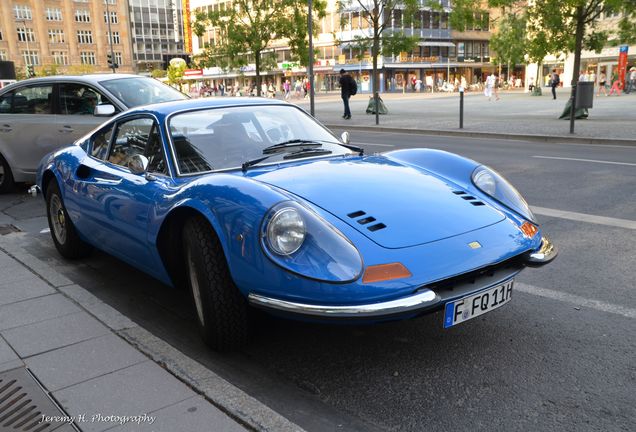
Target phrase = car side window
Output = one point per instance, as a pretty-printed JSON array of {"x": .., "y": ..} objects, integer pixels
[
  {"x": 79, "y": 99},
  {"x": 101, "y": 141},
  {"x": 28, "y": 100},
  {"x": 138, "y": 136}
]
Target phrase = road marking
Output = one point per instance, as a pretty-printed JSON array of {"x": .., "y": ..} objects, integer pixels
[
  {"x": 586, "y": 160},
  {"x": 373, "y": 144},
  {"x": 577, "y": 300},
  {"x": 582, "y": 217}
]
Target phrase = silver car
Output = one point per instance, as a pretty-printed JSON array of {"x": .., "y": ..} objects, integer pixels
[{"x": 40, "y": 115}]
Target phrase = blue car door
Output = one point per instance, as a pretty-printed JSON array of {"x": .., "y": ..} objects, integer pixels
[{"x": 113, "y": 204}]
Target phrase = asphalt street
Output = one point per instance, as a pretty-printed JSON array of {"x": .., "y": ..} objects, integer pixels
[{"x": 560, "y": 356}]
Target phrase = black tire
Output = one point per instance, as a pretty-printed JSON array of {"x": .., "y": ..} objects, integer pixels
[
  {"x": 6, "y": 176},
  {"x": 221, "y": 310},
  {"x": 65, "y": 237}
]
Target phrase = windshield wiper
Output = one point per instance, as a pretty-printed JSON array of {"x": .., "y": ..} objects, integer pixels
[
  {"x": 307, "y": 152},
  {"x": 291, "y": 144},
  {"x": 303, "y": 152}
]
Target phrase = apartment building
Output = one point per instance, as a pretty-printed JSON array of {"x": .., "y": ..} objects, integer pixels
[
  {"x": 440, "y": 55},
  {"x": 72, "y": 35}
]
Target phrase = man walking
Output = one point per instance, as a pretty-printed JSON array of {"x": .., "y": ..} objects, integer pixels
[
  {"x": 346, "y": 90},
  {"x": 554, "y": 82}
]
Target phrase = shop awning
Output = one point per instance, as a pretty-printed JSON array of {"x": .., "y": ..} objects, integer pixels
[{"x": 436, "y": 44}]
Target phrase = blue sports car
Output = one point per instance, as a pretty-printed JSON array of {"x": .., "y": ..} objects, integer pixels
[{"x": 252, "y": 203}]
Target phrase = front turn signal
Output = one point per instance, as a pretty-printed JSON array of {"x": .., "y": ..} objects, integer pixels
[
  {"x": 385, "y": 272},
  {"x": 529, "y": 230}
]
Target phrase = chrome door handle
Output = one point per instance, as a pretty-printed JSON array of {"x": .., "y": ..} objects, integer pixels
[{"x": 6, "y": 128}]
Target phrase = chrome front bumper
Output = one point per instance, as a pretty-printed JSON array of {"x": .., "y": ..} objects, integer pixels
[
  {"x": 546, "y": 253},
  {"x": 420, "y": 300}
]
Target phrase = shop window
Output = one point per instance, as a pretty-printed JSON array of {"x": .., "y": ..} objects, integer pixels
[
  {"x": 426, "y": 19},
  {"x": 436, "y": 18}
]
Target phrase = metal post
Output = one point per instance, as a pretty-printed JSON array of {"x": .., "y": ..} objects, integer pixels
[
  {"x": 461, "y": 107},
  {"x": 110, "y": 36},
  {"x": 310, "y": 69}
]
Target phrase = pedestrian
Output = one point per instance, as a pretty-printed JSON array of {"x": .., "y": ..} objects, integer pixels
[
  {"x": 287, "y": 88},
  {"x": 631, "y": 84},
  {"x": 418, "y": 85},
  {"x": 616, "y": 87},
  {"x": 554, "y": 82},
  {"x": 498, "y": 82},
  {"x": 347, "y": 87},
  {"x": 222, "y": 89},
  {"x": 490, "y": 85},
  {"x": 602, "y": 81}
]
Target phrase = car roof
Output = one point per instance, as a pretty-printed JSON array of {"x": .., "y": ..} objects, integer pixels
[
  {"x": 165, "y": 108},
  {"x": 88, "y": 78}
]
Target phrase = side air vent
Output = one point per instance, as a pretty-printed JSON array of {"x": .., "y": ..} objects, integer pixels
[
  {"x": 356, "y": 214},
  {"x": 376, "y": 227},
  {"x": 366, "y": 220},
  {"x": 471, "y": 199}
]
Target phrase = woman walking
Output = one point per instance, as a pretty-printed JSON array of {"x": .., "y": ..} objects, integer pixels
[{"x": 602, "y": 81}]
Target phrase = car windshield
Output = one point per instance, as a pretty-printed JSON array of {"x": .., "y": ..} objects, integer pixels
[
  {"x": 224, "y": 138},
  {"x": 141, "y": 91}
]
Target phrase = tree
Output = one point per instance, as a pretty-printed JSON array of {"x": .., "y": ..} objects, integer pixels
[
  {"x": 377, "y": 15},
  {"x": 159, "y": 73},
  {"x": 48, "y": 70},
  {"x": 561, "y": 27},
  {"x": 508, "y": 42},
  {"x": 175, "y": 73},
  {"x": 245, "y": 30}
]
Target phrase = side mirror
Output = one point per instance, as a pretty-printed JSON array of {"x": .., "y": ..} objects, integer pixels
[
  {"x": 345, "y": 137},
  {"x": 137, "y": 164},
  {"x": 105, "y": 110}
]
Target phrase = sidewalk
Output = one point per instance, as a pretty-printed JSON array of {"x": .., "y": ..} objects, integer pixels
[
  {"x": 515, "y": 115},
  {"x": 96, "y": 370}
]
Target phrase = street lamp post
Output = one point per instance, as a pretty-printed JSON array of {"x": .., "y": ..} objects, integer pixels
[{"x": 110, "y": 37}]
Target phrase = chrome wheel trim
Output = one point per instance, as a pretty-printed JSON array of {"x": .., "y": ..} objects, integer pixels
[
  {"x": 194, "y": 284},
  {"x": 58, "y": 219}
]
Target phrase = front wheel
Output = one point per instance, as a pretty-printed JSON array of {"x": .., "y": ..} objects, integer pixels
[
  {"x": 67, "y": 241},
  {"x": 222, "y": 311}
]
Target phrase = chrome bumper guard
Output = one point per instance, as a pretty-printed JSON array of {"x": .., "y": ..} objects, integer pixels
[
  {"x": 546, "y": 253},
  {"x": 420, "y": 300},
  {"x": 33, "y": 190}
]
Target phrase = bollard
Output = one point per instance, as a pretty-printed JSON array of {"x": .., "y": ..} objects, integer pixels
[{"x": 461, "y": 107}]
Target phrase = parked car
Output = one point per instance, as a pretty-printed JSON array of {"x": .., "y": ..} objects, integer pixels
[
  {"x": 252, "y": 203},
  {"x": 40, "y": 115}
]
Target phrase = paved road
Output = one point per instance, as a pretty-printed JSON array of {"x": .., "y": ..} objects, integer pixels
[{"x": 560, "y": 356}]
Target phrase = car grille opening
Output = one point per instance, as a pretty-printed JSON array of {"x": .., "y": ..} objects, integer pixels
[
  {"x": 356, "y": 214},
  {"x": 376, "y": 227},
  {"x": 366, "y": 220},
  {"x": 471, "y": 199}
]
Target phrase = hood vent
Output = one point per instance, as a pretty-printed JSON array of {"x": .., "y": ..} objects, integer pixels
[
  {"x": 471, "y": 199},
  {"x": 366, "y": 220}
]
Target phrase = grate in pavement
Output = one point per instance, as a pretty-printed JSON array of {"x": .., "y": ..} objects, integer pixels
[
  {"x": 24, "y": 406},
  {"x": 8, "y": 229}
]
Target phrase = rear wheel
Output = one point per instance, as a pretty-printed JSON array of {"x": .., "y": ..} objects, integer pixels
[
  {"x": 65, "y": 237},
  {"x": 6, "y": 177},
  {"x": 222, "y": 311}
]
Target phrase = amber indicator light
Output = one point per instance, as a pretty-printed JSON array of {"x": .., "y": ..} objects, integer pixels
[
  {"x": 384, "y": 272},
  {"x": 529, "y": 230}
]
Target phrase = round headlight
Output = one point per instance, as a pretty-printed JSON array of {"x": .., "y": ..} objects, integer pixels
[
  {"x": 485, "y": 181},
  {"x": 286, "y": 231}
]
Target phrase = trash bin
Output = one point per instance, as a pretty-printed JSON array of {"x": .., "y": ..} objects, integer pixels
[{"x": 584, "y": 94}]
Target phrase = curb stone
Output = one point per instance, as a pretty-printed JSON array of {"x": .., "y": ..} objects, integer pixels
[
  {"x": 243, "y": 408},
  {"x": 473, "y": 134}
]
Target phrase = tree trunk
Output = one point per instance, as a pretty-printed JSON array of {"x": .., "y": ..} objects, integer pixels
[
  {"x": 257, "y": 63},
  {"x": 578, "y": 45}
]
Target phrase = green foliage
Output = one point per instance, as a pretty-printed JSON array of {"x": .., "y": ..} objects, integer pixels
[
  {"x": 175, "y": 74},
  {"x": 509, "y": 41},
  {"x": 158, "y": 73},
  {"x": 47, "y": 70},
  {"x": 246, "y": 29},
  {"x": 80, "y": 69}
]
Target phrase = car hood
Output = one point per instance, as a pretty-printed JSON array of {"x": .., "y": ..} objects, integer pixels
[{"x": 392, "y": 204}]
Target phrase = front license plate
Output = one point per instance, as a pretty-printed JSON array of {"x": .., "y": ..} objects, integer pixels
[{"x": 474, "y": 305}]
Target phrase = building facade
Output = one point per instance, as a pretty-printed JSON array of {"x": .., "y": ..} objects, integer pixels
[
  {"x": 441, "y": 54},
  {"x": 157, "y": 31},
  {"x": 65, "y": 36}
]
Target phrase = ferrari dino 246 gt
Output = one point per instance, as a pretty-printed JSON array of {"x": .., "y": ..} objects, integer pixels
[{"x": 252, "y": 203}]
